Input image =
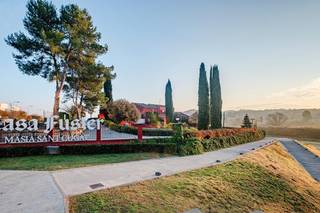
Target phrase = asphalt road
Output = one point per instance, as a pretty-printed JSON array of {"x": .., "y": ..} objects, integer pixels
[{"x": 307, "y": 159}]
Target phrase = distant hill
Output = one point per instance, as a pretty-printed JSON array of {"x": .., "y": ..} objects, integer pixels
[{"x": 293, "y": 117}]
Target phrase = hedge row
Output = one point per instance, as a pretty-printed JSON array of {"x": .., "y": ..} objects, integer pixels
[
  {"x": 192, "y": 146},
  {"x": 161, "y": 145},
  {"x": 145, "y": 131},
  {"x": 22, "y": 151},
  {"x": 215, "y": 133},
  {"x": 189, "y": 146},
  {"x": 170, "y": 148}
]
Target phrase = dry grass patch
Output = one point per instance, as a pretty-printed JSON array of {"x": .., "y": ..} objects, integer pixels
[
  {"x": 312, "y": 149},
  {"x": 268, "y": 180}
]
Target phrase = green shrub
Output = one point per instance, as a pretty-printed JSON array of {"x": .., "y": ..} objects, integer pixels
[
  {"x": 157, "y": 132},
  {"x": 228, "y": 141},
  {"x": 22, "y": 151},
  {"x": 190, "y": 146},
  {"x": 170, "y": 148},
  {"x": 145, "y": 131},
  {"x": 160, "y": 140},
  {"x": 124, "y": 129}
]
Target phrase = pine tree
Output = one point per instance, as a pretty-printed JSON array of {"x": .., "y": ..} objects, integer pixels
[
  {"x": 203, "y": 99},
  {"x": 107, "y": 87},
  {"x": 215, "y": 98},
  {"x": 56, "y": 45},
  {"x": 169, "y": 102}
]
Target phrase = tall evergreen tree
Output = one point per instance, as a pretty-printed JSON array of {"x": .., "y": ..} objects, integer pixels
[
  {"x": 203, "y": 99},
  {"x": 107, "y": 87},
  {"x": 215, "y": 98},
  {"x": 169, "y": 102}
]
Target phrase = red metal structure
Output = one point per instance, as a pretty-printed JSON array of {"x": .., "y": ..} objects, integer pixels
[
  {"x": 96, "y": 141},
  {"x": 151, "y": 108}
]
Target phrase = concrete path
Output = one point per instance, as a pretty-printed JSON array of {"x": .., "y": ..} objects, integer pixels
[
  {"x": 87, "y": 179},
  {"x": 29, "y": 191},
  {"x": 37, "y": 192},
  {"x": 307, "y": 159}
]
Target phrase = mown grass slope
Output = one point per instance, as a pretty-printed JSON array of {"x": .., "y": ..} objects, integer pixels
[{"x": 268, "y": 180}]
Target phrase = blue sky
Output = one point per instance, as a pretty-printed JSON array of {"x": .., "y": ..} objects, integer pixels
[{"x": 267, "y": 51}]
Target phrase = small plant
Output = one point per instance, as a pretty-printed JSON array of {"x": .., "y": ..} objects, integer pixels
[{"x": 246, "y": 122}]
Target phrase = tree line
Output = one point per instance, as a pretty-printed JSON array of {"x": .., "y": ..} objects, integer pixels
[{"x": 209, "y": 99}]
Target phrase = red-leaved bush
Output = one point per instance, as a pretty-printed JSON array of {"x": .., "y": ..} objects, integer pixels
[{"x": 206, "y": 134}]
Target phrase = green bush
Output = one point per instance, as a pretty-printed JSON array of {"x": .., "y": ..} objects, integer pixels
[
  {"x": 145, "y": 131},
  {"x": 22, "y": 151},
  {"x": 157, "y": 132},
  {"x": 193, "y": 146},
  {"x": 190, "y": 146},
  {"x": 228, "y": 141},
  {"x": 160, "y": 140},
  {"x": 124, "y": 129},
  {"x": 170, "y": 148}
]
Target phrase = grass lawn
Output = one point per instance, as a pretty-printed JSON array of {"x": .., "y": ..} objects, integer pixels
[
  {"x": 55, "y": 162},
  {"x": 268, "y": 180}
]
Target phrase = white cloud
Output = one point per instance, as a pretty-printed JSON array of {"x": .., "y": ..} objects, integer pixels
[{"x": 304, "y": 96}]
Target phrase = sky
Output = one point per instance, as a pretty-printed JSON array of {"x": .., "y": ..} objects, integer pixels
[{"x": 267, "y": 51}]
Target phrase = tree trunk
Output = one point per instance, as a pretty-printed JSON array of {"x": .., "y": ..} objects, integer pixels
[
  {"x": 56, "y": 102},
  {"x": 59, "y": 86}
]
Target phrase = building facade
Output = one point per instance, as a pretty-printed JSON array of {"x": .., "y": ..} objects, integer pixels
[{"x": 144, "y": 109}]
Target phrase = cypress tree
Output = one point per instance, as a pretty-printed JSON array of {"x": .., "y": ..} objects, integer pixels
[
  {"x": 203, "y": 99},
  {"x": 169, "y": 102},
  {"x": 108, "y": 90},
  {"x": 215, "y": 98}
]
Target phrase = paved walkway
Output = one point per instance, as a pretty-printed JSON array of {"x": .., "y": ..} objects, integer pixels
[
  {"x": 306, "y": 158},
  {"x": 37, "y": 192},
  {"x": 29, "y": 191},
  {"x": 87, "y": 179}
]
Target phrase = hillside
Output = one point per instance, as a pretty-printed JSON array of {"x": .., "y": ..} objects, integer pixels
[{"x": 294, "y": 117}]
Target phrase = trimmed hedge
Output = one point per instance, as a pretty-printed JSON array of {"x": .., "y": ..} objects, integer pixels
[
  {"x": 157, "y": 132},
  {"x": 189, "y": 146},
  {"x": 159, "y": 140},
  {"x": 193, "y": 146},
  {"x": 169, "y": 148},
  {"x": 22, "y": 151},
  {"x": 215, "y": 133},
  {"x": 159, "y": 145},
  {"x": 145, "y": 131}
]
